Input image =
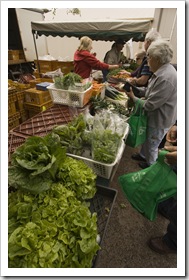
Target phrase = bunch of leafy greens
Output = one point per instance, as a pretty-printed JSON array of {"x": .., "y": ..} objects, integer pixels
[
  {"x": 71, "y": 135},
  {"x": 74, "y": 174},
  {"x": 67, "y": 80},
  {"x": 40, "y": 161},
  {"x": 35, "y": 163},
  {"x": 105, "y": 145},
  {"x": 52, "y": 229}
]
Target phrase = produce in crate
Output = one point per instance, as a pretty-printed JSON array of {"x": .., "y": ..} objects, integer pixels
[
  {"x": 71, "y": 134},
  {"x": 50, "y": 224},
  {"x": 71, "y": 81},
  {"x": 51, "y": 230},
  {"x": 118, "y": 74},
  {"x": 97, "y": 104},
  {"x": 97, "y": 137}
]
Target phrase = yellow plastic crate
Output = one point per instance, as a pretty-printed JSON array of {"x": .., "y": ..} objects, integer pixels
[
  {"x": 20, "y": 100},
  {"x": 35, "y": 109},
  {"x": 13, "y": 121},
  {"x": 12, "y": 104},
  {"x": 36, "y": 97}
]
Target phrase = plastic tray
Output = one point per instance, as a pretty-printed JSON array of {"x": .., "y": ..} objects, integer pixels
[
  {"x": 102, "y": 203},
  {"x": 14, "y": 141},
  {"x": 43, "y": 122},
  {"x": 102, "y": 169},
  {"x": 69, "y": 97}
]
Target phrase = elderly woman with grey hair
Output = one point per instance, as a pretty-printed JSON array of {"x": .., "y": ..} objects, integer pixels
[
  {"x": 160, "y": 101},
  {"x": 144, "y": 73}
]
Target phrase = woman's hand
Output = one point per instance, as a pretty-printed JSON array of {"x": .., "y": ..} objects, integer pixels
[
  {"x": 130, "y": 93},
  {"x": 171, "y": 136},
  {"x": 132, "y": 81},
  {"x": 171, "y": 158}
]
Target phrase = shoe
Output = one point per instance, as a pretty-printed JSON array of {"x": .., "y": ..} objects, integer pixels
[
  {"x": 143, "y": 165},
  {"x": 158, "y": 245},
  {"x": 137, "y": 156},
  {"x": 164, "y": 214}
]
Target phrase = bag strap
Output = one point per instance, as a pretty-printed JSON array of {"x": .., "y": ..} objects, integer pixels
[{"x": 137, "y": 106}]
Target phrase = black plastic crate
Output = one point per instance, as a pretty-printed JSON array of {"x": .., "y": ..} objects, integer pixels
[{"x": 102, "y": 203}]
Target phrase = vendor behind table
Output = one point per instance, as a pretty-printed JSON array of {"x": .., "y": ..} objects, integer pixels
[{"x": 85, "y": 61}]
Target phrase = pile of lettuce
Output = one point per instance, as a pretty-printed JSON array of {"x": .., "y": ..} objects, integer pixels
[
  {"x": 50, "y": 224},
  {"x": 50, "y": 230}
]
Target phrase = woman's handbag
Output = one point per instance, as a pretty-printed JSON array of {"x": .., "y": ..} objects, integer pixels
[
  {"x": 138, "y": 126},
  {"x": 146, "y": 188}
]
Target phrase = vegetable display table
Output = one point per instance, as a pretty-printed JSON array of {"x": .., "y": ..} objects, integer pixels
[{"x": 41, "y": 124}]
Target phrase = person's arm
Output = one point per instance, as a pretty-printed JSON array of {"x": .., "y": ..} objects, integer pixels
[
  {"x": 139, "y": 81},
  {"x": 143, "y": 75},
  {"x": 160, "y": 92},
  {"x": 98, "y": 65},
  {"x": 131, "y": 95}
]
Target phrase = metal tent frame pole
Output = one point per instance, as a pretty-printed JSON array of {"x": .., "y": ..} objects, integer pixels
[{"x": 36, "y": 52}]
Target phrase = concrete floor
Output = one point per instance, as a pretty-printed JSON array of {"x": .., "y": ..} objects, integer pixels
[{"x": 125, "y": 241}]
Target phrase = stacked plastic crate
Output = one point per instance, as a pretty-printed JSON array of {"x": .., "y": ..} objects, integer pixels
[
  {"x": 16, "y": 112},
  {"x": 37, "y": 99},
  {"x": 13, "y": 114}
]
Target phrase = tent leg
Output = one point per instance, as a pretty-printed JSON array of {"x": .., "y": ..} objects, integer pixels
[{"x": 38, "y": 66}]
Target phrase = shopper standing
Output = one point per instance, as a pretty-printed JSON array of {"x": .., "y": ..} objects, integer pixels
[{"x": 160, "y": 102}]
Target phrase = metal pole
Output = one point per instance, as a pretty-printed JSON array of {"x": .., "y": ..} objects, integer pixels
[{"x": 36, "y": 53}]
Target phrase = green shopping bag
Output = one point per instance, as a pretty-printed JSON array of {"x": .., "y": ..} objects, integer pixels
[
  {"x": 138, "y": 125},
  {"x": 146, "y": 188}
]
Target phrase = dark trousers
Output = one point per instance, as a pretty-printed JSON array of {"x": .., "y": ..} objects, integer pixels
[{"x": 169, "y": 207}]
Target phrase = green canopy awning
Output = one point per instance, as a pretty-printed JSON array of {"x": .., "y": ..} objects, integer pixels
[{"x": 103, "y": 30}]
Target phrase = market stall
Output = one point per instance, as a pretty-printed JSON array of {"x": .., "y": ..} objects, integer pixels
[{"x": 70, "y": 157}]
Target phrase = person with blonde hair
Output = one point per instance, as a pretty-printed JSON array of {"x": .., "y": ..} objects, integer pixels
[{"x": 85, "y": 61}]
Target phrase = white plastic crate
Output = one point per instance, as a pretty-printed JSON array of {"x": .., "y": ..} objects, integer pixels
[
  {"x": 102, "y": 169},
  {"x": 69, "y": 97}
]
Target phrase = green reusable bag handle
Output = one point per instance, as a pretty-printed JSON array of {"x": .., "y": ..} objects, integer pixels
[
  {"x": 146, "y": 188},
  {"x": 137, "y": 108},
  {"x": 138, "y": 126}
]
